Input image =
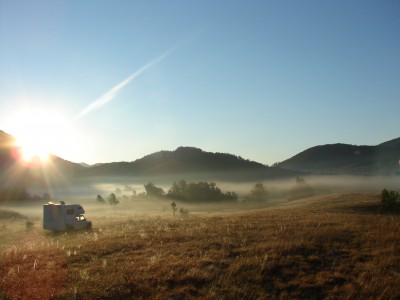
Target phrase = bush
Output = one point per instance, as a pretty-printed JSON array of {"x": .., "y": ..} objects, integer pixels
[
  {"x": 100, "y": 199},
  {"x": 390, "y": 200}
]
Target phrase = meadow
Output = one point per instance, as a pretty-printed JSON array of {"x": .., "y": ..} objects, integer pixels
[{"x": 324, "y": 247}]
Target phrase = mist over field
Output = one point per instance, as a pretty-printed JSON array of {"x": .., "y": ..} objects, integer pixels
[
  {"x": 322, "y": 184},
  {"x": 134, "y": 200},
  {"x": 198, "y": 235}
]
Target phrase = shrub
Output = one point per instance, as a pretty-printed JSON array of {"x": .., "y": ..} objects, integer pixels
[
  {"x": 100, "y": 199},
  {"x": 390, "y": 200}
]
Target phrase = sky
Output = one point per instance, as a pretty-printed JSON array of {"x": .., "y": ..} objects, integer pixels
[{"x": 104, "y": 81}]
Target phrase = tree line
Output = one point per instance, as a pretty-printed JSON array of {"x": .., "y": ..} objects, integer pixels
[
  {"x": 203, "y": 191},
  {"x": 183, "y": 191},
  {"x": 12, "y": 194}
]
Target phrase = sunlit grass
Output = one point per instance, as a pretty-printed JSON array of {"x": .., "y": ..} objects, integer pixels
[{"x": 319, "y": 248}]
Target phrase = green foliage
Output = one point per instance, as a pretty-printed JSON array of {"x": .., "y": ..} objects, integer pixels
[
  {"x": 199, "y": 192},
  {"x": 301, "y": 190},
  {"x": 112, "y": 199},
  {"x": 152, "y": 190},
  {"x": 390, "y": 200},
  {"x": 258, "y": 194}
]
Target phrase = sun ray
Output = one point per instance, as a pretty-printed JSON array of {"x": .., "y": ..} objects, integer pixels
[{"x": 40, "y": 132}]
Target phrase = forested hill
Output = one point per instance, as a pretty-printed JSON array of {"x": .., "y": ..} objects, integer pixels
[
  {"x": 190, "y": 161},
  {"x": 184, "y": 162},
  {"x": 382, "y": 159}
]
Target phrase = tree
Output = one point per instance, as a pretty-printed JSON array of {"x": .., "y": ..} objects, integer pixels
[
  {"x": 15, "y": 194},
  {"x": 257, "y": 194},
  {"x": 112, "y": 199},
  {"x": 100, "y": 199},
  {"x": 178, "y": 190},
  {"x": 152, "y": 190},
  {"x": 174, "y": 208},
  {"x": 199, "y": 192},
  {"x": 390, "y": 200}
]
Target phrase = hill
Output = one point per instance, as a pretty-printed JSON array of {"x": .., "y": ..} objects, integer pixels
[
  {"x": 191, "y": 162},
  {"x": 184, "y": 162},
  {"x": 382, "y": 159},
  {"x": 15, "y": 171},
  {"x": 196, "y": 164}
]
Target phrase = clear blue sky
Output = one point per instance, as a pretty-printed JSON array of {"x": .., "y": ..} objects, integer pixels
[{"x": 260, "y": 79}]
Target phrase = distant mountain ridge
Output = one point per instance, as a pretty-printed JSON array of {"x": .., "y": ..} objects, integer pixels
[
  {"x": 382, "y": 159},
  {"x": 189, "y": 161},
  {"x": 194, "y": 163}
]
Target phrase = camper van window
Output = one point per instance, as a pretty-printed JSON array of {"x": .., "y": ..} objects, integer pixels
[{"x": 70, "y": 211}]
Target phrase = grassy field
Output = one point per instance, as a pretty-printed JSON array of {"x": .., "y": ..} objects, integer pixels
[{"x": 332, "y": 247}]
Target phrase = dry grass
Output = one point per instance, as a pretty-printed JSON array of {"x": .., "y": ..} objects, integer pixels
[{"x": 332, "y": 247}]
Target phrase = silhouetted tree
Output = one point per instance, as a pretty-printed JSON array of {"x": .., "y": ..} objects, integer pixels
[
  {"x": 390, "y": 201},
  {"x": 112, "y": 199},
  {"x": 257, "y": 194},
  {"x": 200, "y": 191},
  {"x": 174, "y": 208},
  {"x": 178, "y": 190},
  {"x": 15, "y": 194},
  {"x": 152, "y": 190},
  {"x": 100, "y": 199}
]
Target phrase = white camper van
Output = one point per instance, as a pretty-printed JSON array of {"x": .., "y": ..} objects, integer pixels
[{"x": 64, "y": 217}]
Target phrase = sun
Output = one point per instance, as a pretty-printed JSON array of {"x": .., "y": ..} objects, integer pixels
[
  {"x": 39, "y": 133},
  {"x": 32, "y": 149}
]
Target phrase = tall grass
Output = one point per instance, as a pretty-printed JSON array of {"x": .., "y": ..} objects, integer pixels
[{"x": 326, "y": 248}]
